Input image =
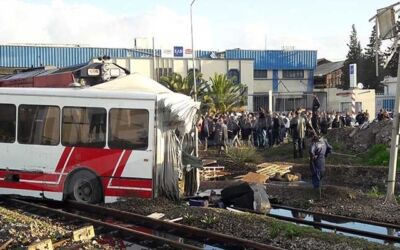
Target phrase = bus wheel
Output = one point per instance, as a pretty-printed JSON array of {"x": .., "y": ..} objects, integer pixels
[{"x": 84, "y": 186}]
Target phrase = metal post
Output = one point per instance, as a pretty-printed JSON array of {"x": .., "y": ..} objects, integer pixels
[
  {"x": 154, "y": 62},
  {"x": 196, "y": 136},
  {"x": 391, "y": 181}
]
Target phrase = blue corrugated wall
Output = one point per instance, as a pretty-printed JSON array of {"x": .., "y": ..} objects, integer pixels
[
  {"x": 27, "y": 56},
  {"x": 35, "y": 56},
  {"x": 277, "y": 59}
]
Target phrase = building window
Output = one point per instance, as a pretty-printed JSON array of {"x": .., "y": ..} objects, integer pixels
[
  {"x": 293, "y": 74},
  {"x": 85, "y": 127},
  {"x": 261, "y": 101},
  {"x": 39, "y": 124},
  {"x": 234, "y": 75},
  {"x": 260, "y": 74},
  {"x": 7, "y": 123},
  {"x": 128, "y": 129},
  {"x": 163, "y": 72}
]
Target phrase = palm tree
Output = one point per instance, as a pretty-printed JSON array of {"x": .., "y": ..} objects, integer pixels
[
  {"x": 184, "y": 85},
  {"x": 223, "y": 95}
]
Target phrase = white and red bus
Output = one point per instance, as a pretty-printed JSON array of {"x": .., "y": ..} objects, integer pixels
[{"x": 86, "y": 144}]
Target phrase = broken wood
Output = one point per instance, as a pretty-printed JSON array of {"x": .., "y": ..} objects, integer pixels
[
  {"x": 5, "y": 245},
  {"x": 42, "y": 245},
  {"x": 254, "y": 178},
  {"x": 175, "y": 220},
  {"x": 60, "y": 243}
]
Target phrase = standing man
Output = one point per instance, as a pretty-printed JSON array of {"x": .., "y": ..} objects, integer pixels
[
  {"x": 319, "y": 150},
  {"x": 315, "y": 113},
  {"x": 298, "y": 130},
  {"x": 221, "y": 136}
]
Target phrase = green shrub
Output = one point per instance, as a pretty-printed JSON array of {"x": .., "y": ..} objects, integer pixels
[
  {"x": 377, "y": 155},
  {"x": 242, "y": 155}
]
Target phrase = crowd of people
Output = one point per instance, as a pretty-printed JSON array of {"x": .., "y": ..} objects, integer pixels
[{"x": 264, "y": 129}]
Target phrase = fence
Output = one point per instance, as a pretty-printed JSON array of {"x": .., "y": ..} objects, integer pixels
[{"x": 283, "y": 102}]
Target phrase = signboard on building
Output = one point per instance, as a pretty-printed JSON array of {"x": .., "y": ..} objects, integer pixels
[
  {"x": 353, "y": 75},
  {"x": 176, "y": 52}
]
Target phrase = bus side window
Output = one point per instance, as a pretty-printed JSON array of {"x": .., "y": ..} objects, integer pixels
[
  {"x": 128, "y": 129},
  {"x": 39, "y": 125},
  {"x": 85, "y": 127},
  {"x": 7, "y": 123}
]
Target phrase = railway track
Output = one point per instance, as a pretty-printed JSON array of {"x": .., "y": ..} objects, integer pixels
[
  {"x": 333, "y": 223},
  {"x": 131, "y": 226}
]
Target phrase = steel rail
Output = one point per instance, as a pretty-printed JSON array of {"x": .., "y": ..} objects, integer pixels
[
  {"x": 329, "y": 226},
  {"x": 142, "y": 235},
  {"x": 338, "y": 228},
  {"x": 341, "y": 217},
  {"x": 180, "y": 228}
]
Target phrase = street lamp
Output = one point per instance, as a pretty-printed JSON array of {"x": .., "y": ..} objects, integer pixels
[{"x": 196, "y": 136}]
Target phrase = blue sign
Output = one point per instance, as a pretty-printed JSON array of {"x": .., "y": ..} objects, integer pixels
[{"x": 178, "y": 51}]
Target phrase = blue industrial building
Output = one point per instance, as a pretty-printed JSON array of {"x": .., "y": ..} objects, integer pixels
[{"x": 284, "y": 72}]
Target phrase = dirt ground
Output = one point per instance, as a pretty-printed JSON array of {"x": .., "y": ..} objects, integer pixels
[{"x": 19, "y": 230}]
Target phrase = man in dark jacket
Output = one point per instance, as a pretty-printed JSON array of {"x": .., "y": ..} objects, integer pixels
[
  {"x": 319, "y": 150},
  {"x": 221, "y": 136}
]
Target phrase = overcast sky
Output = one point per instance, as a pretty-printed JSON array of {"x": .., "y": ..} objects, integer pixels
[{"x": 218, "y": 24}]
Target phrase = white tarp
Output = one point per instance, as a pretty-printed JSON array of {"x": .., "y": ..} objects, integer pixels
[
  {"x": 175, "y": 111},
  {"x": 180, "y": 108}
]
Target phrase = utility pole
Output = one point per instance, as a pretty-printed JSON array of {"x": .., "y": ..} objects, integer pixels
[
  {"x": 386, "y": 26},
  {"x": 196, "y": 136}
]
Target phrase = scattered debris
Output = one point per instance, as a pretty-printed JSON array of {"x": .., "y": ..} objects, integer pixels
[
  {"x": 212, "y": 172},
  {"x": 174, "y": 220},
  {"x": 83, "y": 234},
  {"x": 41, "y": 245},
  {"x": 198, "y": 203},
  {"x": 156, "y": 215},
  {"x": 248, "y": 196}
]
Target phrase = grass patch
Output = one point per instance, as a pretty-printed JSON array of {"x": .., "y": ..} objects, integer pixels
[
  {"x": 243, "y": 154},
  {"x": 378, "y": 155},
  {"x": 374, "y": 192}
]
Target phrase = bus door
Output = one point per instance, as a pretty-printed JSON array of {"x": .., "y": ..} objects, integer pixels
[
  {"x": 37, "y": 152},
  {"x": 132, "y": 131}
]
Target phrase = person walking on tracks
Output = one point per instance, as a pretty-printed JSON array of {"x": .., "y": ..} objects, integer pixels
[{"x": 319, "y": 150}]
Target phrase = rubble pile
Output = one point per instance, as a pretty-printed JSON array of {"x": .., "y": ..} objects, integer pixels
[{"x": 361, "y": 138}]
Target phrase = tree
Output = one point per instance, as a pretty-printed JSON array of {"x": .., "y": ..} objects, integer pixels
[
  {"x": 369, "y": 78},
  {"x": 184, "y": 85},
  {"x": 353, "y": 56},
  {"x": 223, "y": 94}
]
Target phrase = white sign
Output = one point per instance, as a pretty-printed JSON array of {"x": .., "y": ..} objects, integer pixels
[
  {"x": 353, "y": 75},
  {"x": 386, "y": 23}
]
